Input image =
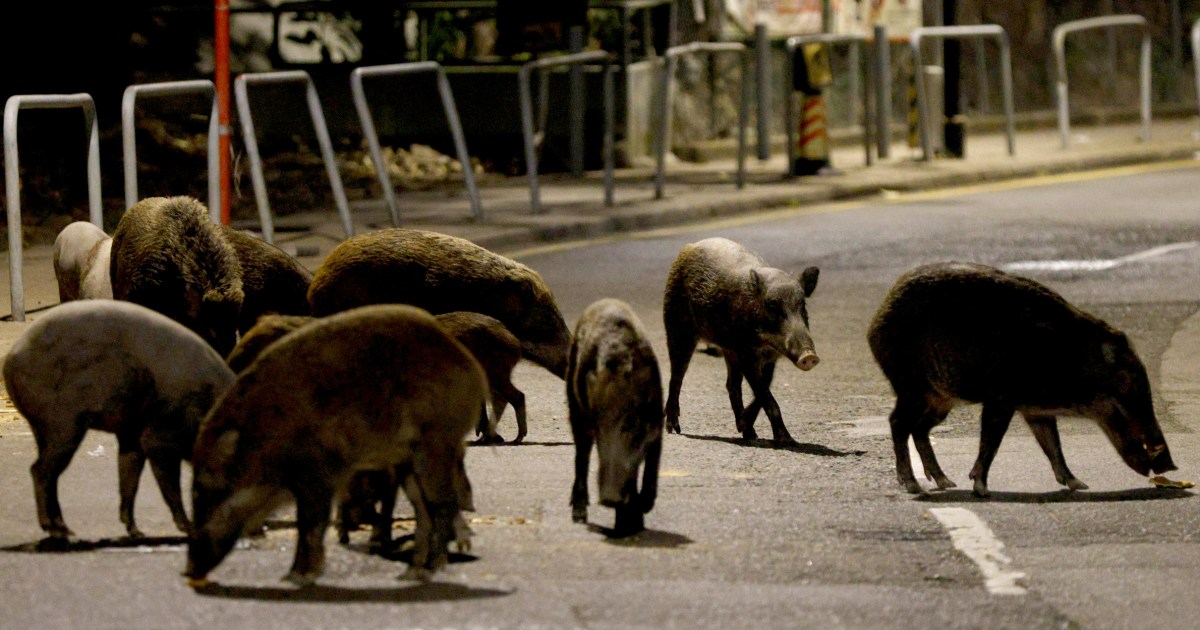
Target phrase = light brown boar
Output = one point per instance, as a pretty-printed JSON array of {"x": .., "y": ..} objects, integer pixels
[{"x": 81, "y": 253}]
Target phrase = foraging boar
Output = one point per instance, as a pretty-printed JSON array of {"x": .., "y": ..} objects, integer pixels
[
  {"x": 272, "y": 281},
  {"x": 950, "y": 333},
  {"x": 442, "y": 274},
  {"x": 81, "y": 252},
  {"x": 267, "y": 331},
  {"x": 167, "y": 255},
  {"x": 374, "y": 388},
  {"x": 720, "y": 292},
  {"x": 116, "y": 367},
  {"x": 498, "y": 351},
  {"x": 614, "y": 397}
]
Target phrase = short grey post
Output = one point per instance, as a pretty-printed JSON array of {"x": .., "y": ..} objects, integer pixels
[
  {"x": 372, "y": 137},
  {"x": 318, "y": 119},
  {"x": 577, "y": 107},
  {"x": 762, "y": 81},
  {"x": 1196, "y": 58},
  {"x": 855, "y": 42},
  {"x": 129, "y": 136},
  {"x": 527, "y": 127},
  {"x": 963, "y": 32},
  {"x": 883, "y": 92},
  {"x": 669, "y": 64},
  {"x": 12, "y": 178},
  {"x": 1059, "y": 38}
]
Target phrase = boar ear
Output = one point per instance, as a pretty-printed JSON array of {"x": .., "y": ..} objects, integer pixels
[
  {"x": 808, "y": 280},
  {"x": 756, "y": 282}
]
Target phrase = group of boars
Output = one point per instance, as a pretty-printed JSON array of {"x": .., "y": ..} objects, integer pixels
[{"x": 350, "y": 384}]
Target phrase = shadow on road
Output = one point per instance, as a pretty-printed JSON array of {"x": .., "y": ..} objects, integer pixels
[
  {"x": 521, "y": 444},
  {"x": 1058, "y": 496},
  {"x": 60, "y": 545},
  {"x": 428, "y": 592},
  {"x": 647, "y": 538},
  {"x": 796, "y": 447}
]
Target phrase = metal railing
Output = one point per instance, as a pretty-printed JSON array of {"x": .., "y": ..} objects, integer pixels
[
  {"x": 963, "y": 32},
  {"x": 857, "y": 43},
  {"x": 527, "y": 127},
  {"x": 129, "y": 136},
  {"x": 1107, "y": 22},
  {"x": 372, "y": 136},
  {"x": 318, "y": 119},
  {"x": 12, "y": 178},
  {"x": 669, "y": 64},
  {"x": 1196, "y": 58}
]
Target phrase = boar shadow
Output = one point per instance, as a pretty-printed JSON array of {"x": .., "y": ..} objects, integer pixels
[
  {"x": 523, "y": 443},
  {"x": 796, "y": 447},
  {"x": 52, "y": 544},
  {"x": 321, "y": 594},
  {"x": 1058, "y": 496},
  {"x": 646, "y": 538}
]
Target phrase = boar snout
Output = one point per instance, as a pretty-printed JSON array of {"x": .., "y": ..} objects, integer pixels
[
  {"x": 1160, "y": 459},
  {"x": 808, "y": 360}
]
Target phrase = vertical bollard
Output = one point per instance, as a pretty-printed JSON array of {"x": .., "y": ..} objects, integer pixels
[{"x": 811, "y": 74}]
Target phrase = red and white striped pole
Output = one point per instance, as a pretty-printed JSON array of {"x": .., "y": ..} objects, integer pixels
[{"x": 221, "y": 82}]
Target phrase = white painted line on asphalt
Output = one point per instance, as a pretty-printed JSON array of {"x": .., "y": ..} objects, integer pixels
[
  {"x": 976, "y": 541},
  {"x": 1098, "y": 264},
  {"x": 917, "y": 467}
]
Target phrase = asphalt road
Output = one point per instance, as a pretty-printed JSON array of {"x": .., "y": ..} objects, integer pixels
[{"x": 819, "y": 535}]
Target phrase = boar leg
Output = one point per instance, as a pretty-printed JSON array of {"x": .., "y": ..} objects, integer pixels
[
  {"x": 54, "y": 453},
  {"x": 313, "y": 502},
  {"x": 904, "y": 416},
  {"x": 649, "y": 491},
  {"x": 681, "y": 343},
  {"x": 131, "y": 460},
  {"x": 165, "y": 466},
  {"x": 511, "y": 395},
  {"x": 581, "y": 427},
  {"x": 920, "y": 435},
  {"x": 1045, "y": 429},
  {"x": 759, "y": 379},
  {"x": 629, "y": 517},
  {"x": 733, "y": 385},
  {"x": 995, "y": 419},
  {"x": 386, "y": 489}
]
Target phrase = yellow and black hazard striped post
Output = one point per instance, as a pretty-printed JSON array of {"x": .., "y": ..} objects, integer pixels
[{"x": 811, "y": 75}]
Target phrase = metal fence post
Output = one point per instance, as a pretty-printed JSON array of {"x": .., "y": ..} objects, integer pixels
[
  {"x": 1059, "y": 38},
  {"x": 883, "y": 92},
  {"x": 856, "y": 43},
  {"x": 129, "y": 136}
]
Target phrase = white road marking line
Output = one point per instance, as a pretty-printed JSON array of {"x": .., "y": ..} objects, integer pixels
[
  {"x": 976, "y": 541},
  {"x": 1098, "y": 264},
  {"x": 918, "y": 468}
]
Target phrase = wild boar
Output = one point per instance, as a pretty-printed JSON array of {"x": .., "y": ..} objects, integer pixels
[
  {"x": 116, "y": 367},
  {"x": 614, "y": 397},
  {"x": 268, "y": 330},
  {"x": 498, "y": 351},
  {"x": 168, "y": 256},
  {"x": 272, "y": 281},
  {"x": 720, "y": 292},
  {"x": 81, "y": 252},
  {"x": 373, "y": 388},
  {"x": 949, "y": 333},
  {"x": 442, "y": 274}
]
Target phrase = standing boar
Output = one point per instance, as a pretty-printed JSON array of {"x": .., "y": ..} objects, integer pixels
[
  {"x": 720, "y": 292},
  {"x": 373, "y": 388},
  {"x": 614, "y": 396},
  {"x": 498, "y": 351},
  {"x": 81, "y": 252},
  {"x": 167, "y": 255},
  {"x": 272, "y": 281},
  {"x": 950, "y": 333},
  {"x": 115, "y": 367},
  {"x": 441, "y": 274},
  {"x": 268, "y": 330}
]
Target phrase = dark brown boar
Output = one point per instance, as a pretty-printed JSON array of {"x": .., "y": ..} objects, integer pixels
[
  {"x": 442, "y": 274},
  {"x": 720, "y": 292},
  {"x": 614, "y": 395},
  {"x": 374, "y": 388},
  {"x": 272, "y": 281},
  {"x": 950, "y": 333},
  {"x": 498, "y": 351},
  {"x": 267, "y": 331},
  {"x": 168, "y": 256},
  {"x": 116, "y": 367}
]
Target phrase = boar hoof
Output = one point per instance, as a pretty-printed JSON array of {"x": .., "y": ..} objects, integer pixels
[
  {"x": 579, "y": 514},
  {"x": 417, "y": 574},
  {"x": 135, "y": 533},
  {"x": 629, "y": 521},
  {"x": 673, "y": 426},
  {"x": 1075, "y": 484},
  {"x": 944, "y": 483},
  {"x": 302, "y": 580},
  {"x": 911, "y": 486},
  {"x": 749, "y": 434},
  {"x": 981, "y": 490}
]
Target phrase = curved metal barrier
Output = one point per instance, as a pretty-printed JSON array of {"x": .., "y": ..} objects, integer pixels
[
  {"x": 1196, "y": 57},
  {"x": 856, "y": 42},
  {"x": 318, "y": 119},
  {"x": 963, "y": 32},
  {"x": 1060, "y": 39},
  {"x": 372, "y": 136},
  {"x": 12, "y": 178},
  {"x": 129, "y": 136},
  {"x": 527, "y": 127},
  {"x": 670, "y": 62}
]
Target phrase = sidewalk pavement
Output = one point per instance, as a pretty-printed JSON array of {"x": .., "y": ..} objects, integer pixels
[{"x": 573, "y": 208}]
